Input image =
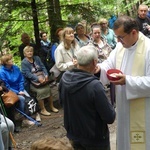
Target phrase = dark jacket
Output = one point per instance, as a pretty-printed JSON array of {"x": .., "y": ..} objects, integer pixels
[
  {"x": 46, "y": 54},
  {"x": 87, "y": 110},
  {"x": 142, "y": 23}
]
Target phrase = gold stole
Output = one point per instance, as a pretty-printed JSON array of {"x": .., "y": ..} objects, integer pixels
[{"x": 137, "y": 106}]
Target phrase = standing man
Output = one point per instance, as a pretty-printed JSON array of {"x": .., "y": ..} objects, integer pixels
[
  {"x": 45, "y": 51},
  {"x": 143, "y": 20},
  {"x": 25, "y": 38},
  {"x": 132, "y": 57},
  {"x": 87, "y": 110}
]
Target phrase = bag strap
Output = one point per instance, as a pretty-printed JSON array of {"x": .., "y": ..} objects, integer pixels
[{"x": 73, "y": 55}]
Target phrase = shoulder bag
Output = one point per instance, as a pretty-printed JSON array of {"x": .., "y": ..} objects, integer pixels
[
  {"x": 9, "y": 98},
  {"x": 38, "y": 84}
]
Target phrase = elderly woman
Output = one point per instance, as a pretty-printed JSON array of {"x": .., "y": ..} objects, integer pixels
[
  {"x": 81, "y": 38},
  {"x": 14, "y": 81},
  {"x": 65, "y": 54},
  {"x": 31, "y": 66},
  {"x": 107, "y": 33}
]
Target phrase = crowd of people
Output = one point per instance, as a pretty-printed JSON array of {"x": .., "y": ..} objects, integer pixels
[{"x": 81, "y": 62}]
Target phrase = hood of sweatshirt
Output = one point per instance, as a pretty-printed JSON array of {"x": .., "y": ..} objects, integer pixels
[{"x": 76, "y": 79}]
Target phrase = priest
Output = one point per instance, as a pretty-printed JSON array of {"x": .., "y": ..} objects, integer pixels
[{"x": 132, "y": 57}]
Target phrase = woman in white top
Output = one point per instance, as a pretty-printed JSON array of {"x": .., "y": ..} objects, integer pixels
[{"x": 65, "y": 54}]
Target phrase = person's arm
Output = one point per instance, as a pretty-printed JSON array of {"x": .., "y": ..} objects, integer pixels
[
  {"x": 139, "y": 86},
  {"x": 102, "y": 104},
  {"x": 39, "y": 62},
  {"x": 54, "y": 46},
  {"x": 107, "y": 64},
  {"x": 21, "y": 81}
]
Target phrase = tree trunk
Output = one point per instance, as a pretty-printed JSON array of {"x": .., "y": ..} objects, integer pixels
[
  {"x": 54, "y": 16},
  {"x": 36, "y": 26}
]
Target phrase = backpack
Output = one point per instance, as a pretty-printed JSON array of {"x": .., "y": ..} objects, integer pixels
[
  {"x": 31, "y": 105},
  {"x": 49, "y": 60},
  {"x": 111, "y": 21}
]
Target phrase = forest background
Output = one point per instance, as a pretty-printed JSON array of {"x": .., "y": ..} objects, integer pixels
[{"x": 33, "y": 16}]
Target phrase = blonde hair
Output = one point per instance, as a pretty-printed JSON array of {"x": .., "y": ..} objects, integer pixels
[
  {"x": 103, "y": 20},
  {"x": 28, "y": 48},
  {"x": 65, "y": 31},
  {"x": 6, "y": 58},
  {"x": 51, "y": 144}
]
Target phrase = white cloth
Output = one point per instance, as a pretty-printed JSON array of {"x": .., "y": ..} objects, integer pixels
[
  {"x": 135, "y": 87},
  {"x": 1, "y": 140}
]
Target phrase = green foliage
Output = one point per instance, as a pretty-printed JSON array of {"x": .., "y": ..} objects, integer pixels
[{"x": 16, "y": 16}]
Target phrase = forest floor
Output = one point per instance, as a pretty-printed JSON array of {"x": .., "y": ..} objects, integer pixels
[{"x": 52, "y": 126}]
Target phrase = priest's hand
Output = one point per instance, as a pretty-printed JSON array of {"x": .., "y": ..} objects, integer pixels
[{"x": 121, "y": 81}]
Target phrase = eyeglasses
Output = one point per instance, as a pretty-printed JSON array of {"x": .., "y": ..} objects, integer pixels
[
  {"x": 122, "y": 37},
  {"x": 103, "y": 23}
]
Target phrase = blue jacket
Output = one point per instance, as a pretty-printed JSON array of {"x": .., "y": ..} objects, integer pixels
[{"x": 12, "y": 78}]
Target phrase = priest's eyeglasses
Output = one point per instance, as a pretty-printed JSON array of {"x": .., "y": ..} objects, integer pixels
[{"x": 122, "y": 37}]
